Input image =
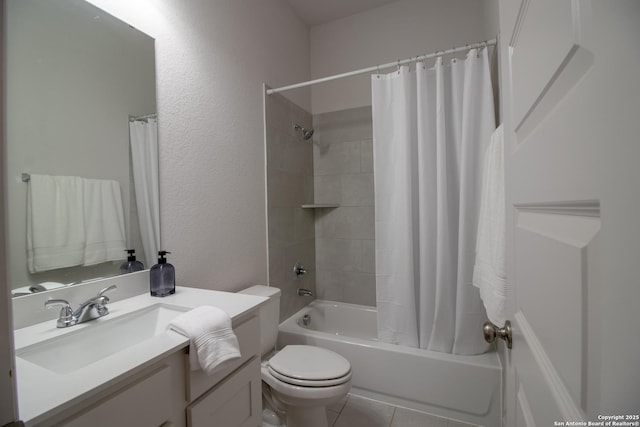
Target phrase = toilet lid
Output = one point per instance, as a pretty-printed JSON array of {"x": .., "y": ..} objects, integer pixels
[{"x": 310, "y": 365}]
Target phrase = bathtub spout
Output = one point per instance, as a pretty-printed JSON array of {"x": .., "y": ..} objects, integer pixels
[{"x": 304, "y": 292}]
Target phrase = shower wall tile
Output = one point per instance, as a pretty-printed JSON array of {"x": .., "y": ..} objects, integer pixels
[
  {"x": 285, "y": 189},
  {"x": 302, "y": 251},
  {"x": 303, "y": 224},
  {"x": 368, "y": 256},
  {"x": 346, "y": 222},
  {"x": 357, "y": 190},
  {"x": 336, "y": 157},
  {"x": 328, "y": 286},
  {"x": 339, "y": 254},
  {"x": 328, "y": 188},
  {"x": 277, "y": 272},
  {"x": 347, "y": 125},
  {"x": 288, "y": 153},
  {"x": 308, "y": 189},
  {"x": 277, "y": 113},
  {"x": 366, "y": 153},
  {"x": 300, "y": 116},
  {"x": 345, "y": 236},
  {"x": 290, "y": 184},
  {"x": 359, "y": 289},
  {"x": 282, "y": 114},
  {"x": 281, "y": 225},
  {"x": 352, "y": 287},
  {"x": 296, "y": 157}
]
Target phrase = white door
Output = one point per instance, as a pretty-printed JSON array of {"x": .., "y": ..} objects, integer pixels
[{"x": 570, "y": 82}]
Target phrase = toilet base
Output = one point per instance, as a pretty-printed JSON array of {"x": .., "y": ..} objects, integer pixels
[
  {"x": 307, "y": 417},
  {"x": 269, "y": 416}
]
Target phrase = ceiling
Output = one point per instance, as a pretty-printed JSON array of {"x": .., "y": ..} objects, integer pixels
[{"x": 315, "y": 12}]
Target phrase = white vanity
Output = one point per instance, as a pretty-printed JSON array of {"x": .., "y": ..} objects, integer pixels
[{"x": 127, "y": 369}]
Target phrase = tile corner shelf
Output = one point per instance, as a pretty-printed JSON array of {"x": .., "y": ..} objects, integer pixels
[{"x": 320, "y": 205}]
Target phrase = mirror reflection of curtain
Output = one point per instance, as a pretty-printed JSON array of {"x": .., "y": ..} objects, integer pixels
[{"x": 144, "y": 159}]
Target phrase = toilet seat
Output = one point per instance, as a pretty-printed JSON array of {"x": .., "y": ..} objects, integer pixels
[{"x": 309, "y": 366}]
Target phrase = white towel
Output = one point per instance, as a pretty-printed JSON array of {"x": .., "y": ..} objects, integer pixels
[
  {"x": 104, "y": 221},
  {"x": 55, "y": 222},
  {"x": 489, "y": 273},
  {"x": 212, "y": 343}
]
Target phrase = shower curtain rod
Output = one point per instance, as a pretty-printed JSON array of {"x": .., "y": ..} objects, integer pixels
[
  {"x": 491, "y": 42},
  {"x": 145, "y": 117}
]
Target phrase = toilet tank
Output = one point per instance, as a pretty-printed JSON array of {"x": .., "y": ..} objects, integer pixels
[{"x": 269, "y": 315}]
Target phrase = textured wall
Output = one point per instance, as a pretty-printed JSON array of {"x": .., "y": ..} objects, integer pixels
[
  {"x": 343, "y": 173},
  {"x": 212, "y": 58},
  {"x": 398, "y": 30},
  {"x": 289, "y": 185}
]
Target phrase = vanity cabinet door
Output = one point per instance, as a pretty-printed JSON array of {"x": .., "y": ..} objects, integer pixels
[
  {"x": 235, "y": 402},
  {"x": 147, "y": 402},
  {"x": 248, "y": 333}
]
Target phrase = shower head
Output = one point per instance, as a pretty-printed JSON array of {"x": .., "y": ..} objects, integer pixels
[{"x": 306, "y": 133}]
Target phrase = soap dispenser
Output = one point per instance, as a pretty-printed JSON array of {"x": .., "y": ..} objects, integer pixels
[
  {"x": 163, "y": 277},
  {"x": 131, "y": 264}
]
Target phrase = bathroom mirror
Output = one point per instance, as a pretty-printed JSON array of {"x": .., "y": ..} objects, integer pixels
[{"x": 76, "y": 76}]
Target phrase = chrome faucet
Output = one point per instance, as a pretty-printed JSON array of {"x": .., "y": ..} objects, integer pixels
[
  {"x": 304, "y": 292},
  {"x": 91, "y": 309}
]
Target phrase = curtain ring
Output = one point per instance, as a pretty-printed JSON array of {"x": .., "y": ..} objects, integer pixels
[
  {"x": 483, "y": 45},
  {"x": 398, "y": 66}
]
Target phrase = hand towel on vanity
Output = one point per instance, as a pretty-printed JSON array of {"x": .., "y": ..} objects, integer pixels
[
  {"x": 212, "y": 341},
  {"x": 55, "y": 222},
  {"x": 104, "y": 221},
  {"x": 489, "y": 271}
]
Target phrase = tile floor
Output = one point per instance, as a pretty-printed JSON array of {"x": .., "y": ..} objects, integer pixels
[{"x": 356, "y": 411}]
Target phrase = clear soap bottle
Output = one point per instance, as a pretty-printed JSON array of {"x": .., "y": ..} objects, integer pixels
[
  {"x": 162, "y": 277},
  {"x": 131, "y": 264}
]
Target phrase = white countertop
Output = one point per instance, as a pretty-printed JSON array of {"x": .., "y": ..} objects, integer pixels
[{"x": 43, "y": 393}]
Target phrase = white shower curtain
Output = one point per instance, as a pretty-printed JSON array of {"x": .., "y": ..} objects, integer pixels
[
  {"x": 144, "y": 158},
  {"x": 431, "y": 129}
]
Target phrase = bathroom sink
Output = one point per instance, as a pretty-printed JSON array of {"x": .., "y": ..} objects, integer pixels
[{"x": 96, "y": 340}]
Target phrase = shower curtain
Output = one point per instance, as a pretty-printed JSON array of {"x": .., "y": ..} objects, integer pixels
[
  {"x": 431, "y": 129},
  {"x": 144, "y": 159}
]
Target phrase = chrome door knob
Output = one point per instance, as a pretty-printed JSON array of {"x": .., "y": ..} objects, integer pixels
[{"x": 491, "y": 331}]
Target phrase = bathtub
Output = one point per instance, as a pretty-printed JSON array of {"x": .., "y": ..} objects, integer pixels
[{"x": 465, "y": 388}]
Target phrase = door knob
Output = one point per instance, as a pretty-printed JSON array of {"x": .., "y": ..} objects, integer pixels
[{"x": 491, "y": 331}]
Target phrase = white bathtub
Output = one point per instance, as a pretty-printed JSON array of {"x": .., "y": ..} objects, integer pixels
[{"x": 465, "y": 388}]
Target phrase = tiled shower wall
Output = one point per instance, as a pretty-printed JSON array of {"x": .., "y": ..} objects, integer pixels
[
  {"x": 289, "y": 185},
  {"x": 345, "y": 236}
]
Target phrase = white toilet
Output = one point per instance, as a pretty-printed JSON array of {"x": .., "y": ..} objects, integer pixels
[{"x": 302, "y": 379}]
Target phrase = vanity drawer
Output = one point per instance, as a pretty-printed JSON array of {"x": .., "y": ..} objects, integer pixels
[
  {"x": 248, "y": 333},
  {"x": 147, "y": 402},
  {"x": 235, "y": 402}
]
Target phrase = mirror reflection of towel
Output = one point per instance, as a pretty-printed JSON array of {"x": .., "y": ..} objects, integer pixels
[
  {"x": 103, "y": 221},
  {"x": 55, "y": 222},
  {"x": 73, "y": 221}
]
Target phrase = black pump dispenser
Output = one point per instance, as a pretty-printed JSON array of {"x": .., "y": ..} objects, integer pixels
[
  {"x": 162, "y": 277},
  {"x": 161, "y": 257},
  {"x": 131, "y": 264}
]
